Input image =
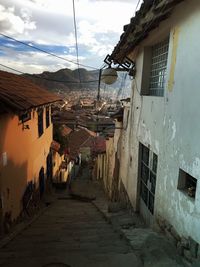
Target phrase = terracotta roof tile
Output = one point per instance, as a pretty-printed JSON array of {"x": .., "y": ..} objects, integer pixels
[
  {"x": 55, "y": 146},
  {"x": 100, "y": 144},
  {"x": 18, "y": 93},
  {"x": 150, "y": 15},
  {"x": 65, "y": 131},
  {"x": 76, "y": 139}
]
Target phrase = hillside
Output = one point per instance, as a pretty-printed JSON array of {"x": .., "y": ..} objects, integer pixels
[
  {"x": 65, "y": 79},
  {"x": 68, "y": 80}
]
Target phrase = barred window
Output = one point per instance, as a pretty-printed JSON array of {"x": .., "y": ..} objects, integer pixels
[
  {"x": 158, "y": 68},
  {"x": 148, "y": 169}
]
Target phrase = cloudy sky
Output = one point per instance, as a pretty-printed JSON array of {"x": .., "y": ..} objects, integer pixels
[{"x": 48, "y": 25}]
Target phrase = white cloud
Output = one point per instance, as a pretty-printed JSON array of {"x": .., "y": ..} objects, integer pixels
[
  {"x": 10, "y": 22},
  {"x": 50, "y": 22},
  {"x": 36, "y": 62}
]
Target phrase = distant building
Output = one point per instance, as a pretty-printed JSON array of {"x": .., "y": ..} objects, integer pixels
[
  {"x": 25, "y": 140},
  {"x": 60, "y": 169}
]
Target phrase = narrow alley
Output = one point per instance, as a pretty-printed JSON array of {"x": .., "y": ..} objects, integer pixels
[
  {"x": 69, "y": 233},
  {"x": 99, "y": 133},
  {"x": 76, "y": 230}
]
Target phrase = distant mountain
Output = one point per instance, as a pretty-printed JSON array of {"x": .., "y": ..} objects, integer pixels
[{"x": 66, "y": 79}]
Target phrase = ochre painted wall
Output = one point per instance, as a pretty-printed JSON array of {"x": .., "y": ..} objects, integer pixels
[
  {"x": 57, "y": 161},
  {"x": 26, "y": 154}
]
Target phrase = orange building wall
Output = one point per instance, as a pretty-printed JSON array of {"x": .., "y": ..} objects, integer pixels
[
  {"x": 57, "y": 160},
  {"x": 26, "y": 154}
]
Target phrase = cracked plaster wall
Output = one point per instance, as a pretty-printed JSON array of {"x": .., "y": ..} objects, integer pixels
[{"x": 170, "y": 125}]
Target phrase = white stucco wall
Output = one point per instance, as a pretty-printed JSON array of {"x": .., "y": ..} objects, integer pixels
[
  {"x": 109, "y": 165},
  {"x": 169, "y": 125}
]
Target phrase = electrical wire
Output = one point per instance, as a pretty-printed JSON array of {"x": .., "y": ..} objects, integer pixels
[
  {"x": 137, "y": 5},
  {"x": 76, "y": 40},
  {"x": 44, "y": 51},
  {"x": 123, "y": 81},
  {"x": 47, "y": 79}
]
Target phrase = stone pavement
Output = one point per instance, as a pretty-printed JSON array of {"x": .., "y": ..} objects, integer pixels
[
  {"x": 152, "y": 248},
  {"x": 69, "y": 233},
  {"x": 77, "y": 230}
]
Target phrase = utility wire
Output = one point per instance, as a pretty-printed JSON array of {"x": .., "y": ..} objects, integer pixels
[
  {"x": 123, "y": 81},
  {"x": 137, "y": 5},
  {"x": 76, "y": 41},
  {"x": 44, "y": 51},
  {"x": 43, "y": 78}
]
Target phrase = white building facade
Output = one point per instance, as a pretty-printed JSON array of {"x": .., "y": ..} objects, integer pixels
[{"x": 160, "y": 167}]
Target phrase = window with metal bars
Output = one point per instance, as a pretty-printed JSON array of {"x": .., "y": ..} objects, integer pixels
[
  {"x": 148, "y": 170},
  {"x": 158, "y": 68}
]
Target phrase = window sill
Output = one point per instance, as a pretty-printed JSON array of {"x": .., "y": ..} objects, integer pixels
[
  {"x": 184, "y": 192},
  {"x": 152, "y": 95}
]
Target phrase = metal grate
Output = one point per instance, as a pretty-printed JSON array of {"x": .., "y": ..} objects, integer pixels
[
  {"x": 148, "y": 170},
  {"x": 158, "y": 68}
]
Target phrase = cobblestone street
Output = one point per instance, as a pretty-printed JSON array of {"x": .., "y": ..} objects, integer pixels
[
  {"x": 78, "y": 232},
  {"x": 69, "y": 233}
]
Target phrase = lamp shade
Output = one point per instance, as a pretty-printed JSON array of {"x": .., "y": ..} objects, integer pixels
[{"x": 109, "y": 76}]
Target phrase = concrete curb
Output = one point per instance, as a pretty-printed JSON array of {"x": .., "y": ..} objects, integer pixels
[
  {"x": 101, "y": 211},
  {"x": 109, "y": 220}
]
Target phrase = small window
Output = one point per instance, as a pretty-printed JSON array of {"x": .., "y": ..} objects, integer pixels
[
  {"x": 187, "y": 183},
  {"x": 40, "y": 122},
  {"x": 25, "y": 116},
  {"x": 47, "y": 117}
]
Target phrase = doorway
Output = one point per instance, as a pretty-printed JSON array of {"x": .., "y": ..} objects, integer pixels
[{"x": 41, "y": 181}]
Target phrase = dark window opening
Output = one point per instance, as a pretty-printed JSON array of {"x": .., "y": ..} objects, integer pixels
[
  {"x": 148, "y": 170},
  {"x": 145, "y": 155},
  {"x": 187, "y": 183},
  {"x": 155, "y": 160},
  {"x": 26, "y": 116},
  {"x": 40, "y": 122},
  {"x": 47, "y": 117}
]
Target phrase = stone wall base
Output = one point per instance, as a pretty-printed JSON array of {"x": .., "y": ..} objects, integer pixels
[
  {"x": 186, "y": 247},
  {"x": 124, "y": 198}
]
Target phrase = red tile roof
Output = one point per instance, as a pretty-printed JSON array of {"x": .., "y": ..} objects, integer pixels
[
  {"x": 100, "y": 145},
  {"x": 85, "y": 138},
  {"x": 55, "y": 146},
  {"x": 76, "y": 140},
  {"x": 150, "y": 15},
  {"x": 90, "y": 132},
  {"x": 18, "y": 93},
  {"x": 65, "y": 131}
]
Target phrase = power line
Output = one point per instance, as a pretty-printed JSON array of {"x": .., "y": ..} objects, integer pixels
[
  {"x": 123, "y": 81},
  {"x": 137, "y": 5},
  {"x": 76, "y": 40},
  {"x": 43, "y": 78},
  {"x": 44, "y": 51}
]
